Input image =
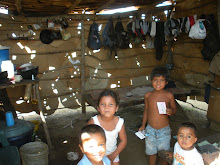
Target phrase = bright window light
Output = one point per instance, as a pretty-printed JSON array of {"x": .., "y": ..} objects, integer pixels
[
  {"x": 95, "y": 51},
  {"x": 28, "y": 49},
  {"x": 113, "y": 86},
  {"x": 73, "y": 54},
  {"x": 88, "y": 12},
  {"x": 33, "y": 56},
  {"x": 20, "y": 45},
  {"x": 51, "y": 68},
  {"x": 3, "y": 10},
  {"x": 64, "y": 100},
  {"x": 166, "y": 12},
  {"x": 13, "y": 35},
  {"x": 79, "y": 26},
  {"x": 165, "y": 3},
  {"x": 19, "y": 101},
  {"x": 100, "y": 27},
  {"x": 120, "y": 10},
  {"x": 55, "y": 91},
  {"x": 14, "y": 57}
]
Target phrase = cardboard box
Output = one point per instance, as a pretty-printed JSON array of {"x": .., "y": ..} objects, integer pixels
[{"x": 213, "y": 113}]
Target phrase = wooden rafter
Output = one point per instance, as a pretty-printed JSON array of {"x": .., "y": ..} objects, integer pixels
[
  {"x": 104, "y": 6},
  {"x": 75, "y": 4},
  {"x": 18, "y": 6}
]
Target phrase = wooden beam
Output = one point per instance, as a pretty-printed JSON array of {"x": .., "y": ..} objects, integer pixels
[
  {"x": 76, "y": 3},
  {"x": 218, "y": 13},
  {"x": 83, "y": 67},
  {"x": 18, "y": 6},
  {"x": 104, "y": 6}
]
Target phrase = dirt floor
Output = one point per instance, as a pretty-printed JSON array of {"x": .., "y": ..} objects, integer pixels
[{"x": 65, "y": 124}]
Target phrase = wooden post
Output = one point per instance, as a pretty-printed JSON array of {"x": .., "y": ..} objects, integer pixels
[
  {"x": 83, "y": 67},
  {"x": 42, "y": 117},
  {"x": 218, "y": 13},
  {"x": 170, "y": 63}
]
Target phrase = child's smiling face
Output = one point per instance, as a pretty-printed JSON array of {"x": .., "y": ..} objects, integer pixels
[
  {"x": 159, "y": 83},
  {"x": 93, "y": 146},
  {"x": 186, "y": 138}
]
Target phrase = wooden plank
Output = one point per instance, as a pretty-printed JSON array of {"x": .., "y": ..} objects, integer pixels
[
  {"x": 43, "y": 118},
  {"x": 191, "y": 7},
  {"x": 191, "y": 78},
  {"x": 196, "y": 65},
  {"x": 83, "y": 68},
  {"x": 104, "y": 6},
  {"x": 218, "y": 13},
  {"x": 76, "y": 3},
  {"x": 193, "y": 50}
]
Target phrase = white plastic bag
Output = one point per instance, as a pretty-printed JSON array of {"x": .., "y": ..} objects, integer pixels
[{"x": 198, "y": 30}]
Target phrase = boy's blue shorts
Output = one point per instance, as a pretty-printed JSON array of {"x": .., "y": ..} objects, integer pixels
[{"x": 158, "y": 139}]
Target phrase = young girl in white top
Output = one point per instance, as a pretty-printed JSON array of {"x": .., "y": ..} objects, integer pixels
[{"x": 112, "y": 125}]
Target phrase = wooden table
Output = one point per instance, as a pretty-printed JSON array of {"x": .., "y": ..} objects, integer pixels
[
  {"x": 9, "y": 106},
  {"x": 134, "y": 95}
]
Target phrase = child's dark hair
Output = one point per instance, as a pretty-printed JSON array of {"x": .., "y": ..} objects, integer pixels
[
  {"x": 160, "y": 71},
  {"x": 188, "y": 125},
  {"x": 108, "y": 93},
  {"x": 91, "y": 129}
]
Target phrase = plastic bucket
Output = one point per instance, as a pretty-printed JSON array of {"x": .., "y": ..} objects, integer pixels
[
  {"x": 34, "y": 153},
  {"x": 4, "y": 54}
]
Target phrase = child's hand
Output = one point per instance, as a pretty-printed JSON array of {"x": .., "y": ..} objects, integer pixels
[
  {"x": 169, "y": 155},
  {"x": 111, "y": 157},
  {"x": 169, "y": 111},
  {"x": 141, "y": 128}
]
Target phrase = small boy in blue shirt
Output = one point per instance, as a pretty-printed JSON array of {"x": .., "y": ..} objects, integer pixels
[{"x": 93, "y": 146}]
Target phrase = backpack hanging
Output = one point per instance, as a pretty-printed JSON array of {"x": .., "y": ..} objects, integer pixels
[
  {"x": 94, "y": 41},
  {"x": 109, "y": 37},
  {"x": 123, "y": 38}
]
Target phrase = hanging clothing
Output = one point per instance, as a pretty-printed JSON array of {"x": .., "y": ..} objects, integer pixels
[{"x": 153, "y": 29}]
